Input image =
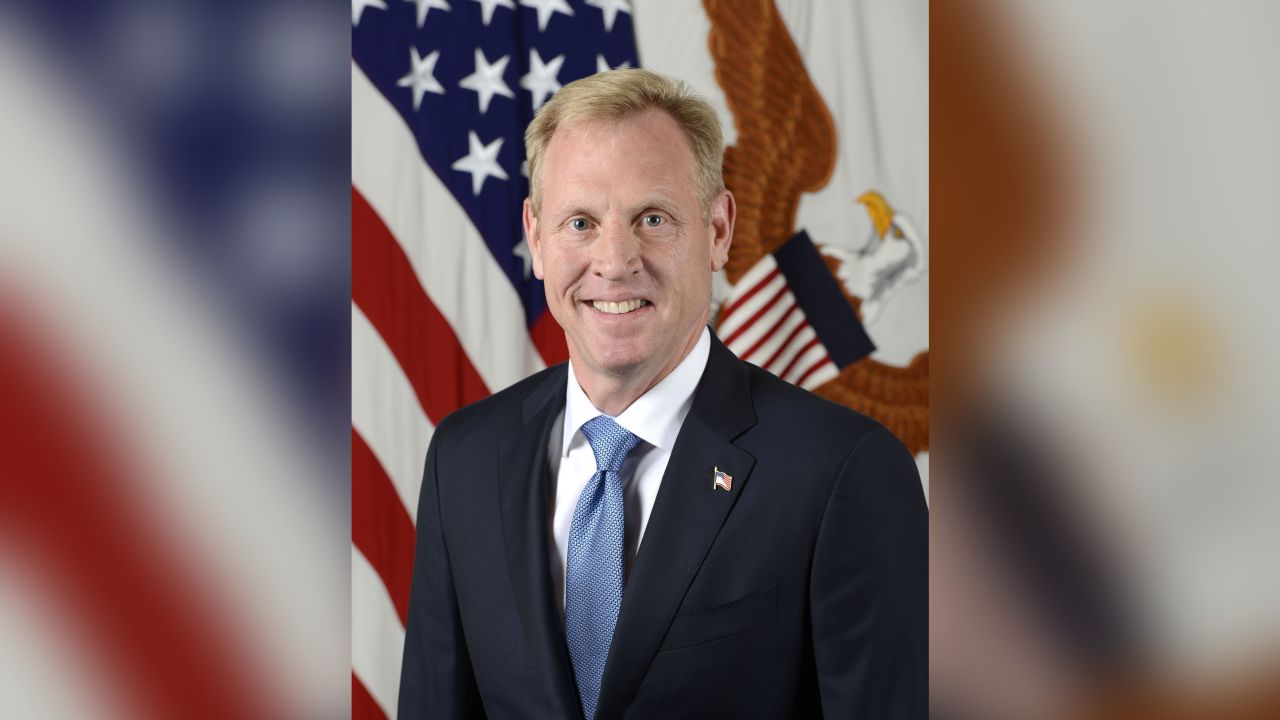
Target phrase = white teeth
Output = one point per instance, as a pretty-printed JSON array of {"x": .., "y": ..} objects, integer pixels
[{"x": 617, "y": 308}]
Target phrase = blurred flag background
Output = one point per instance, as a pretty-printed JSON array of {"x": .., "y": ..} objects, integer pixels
[
  {"x": 173, "y": 352},
  {"x": 827, "y": 105}
]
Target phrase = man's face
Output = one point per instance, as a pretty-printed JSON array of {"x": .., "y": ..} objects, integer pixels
[{"x": 621, "y": 244}]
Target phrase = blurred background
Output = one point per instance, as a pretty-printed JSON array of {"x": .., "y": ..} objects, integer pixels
[
  {"x": 174, "y": 275},
  {"x": 175, "y": 344},
  {"x": 1104, "y": 487}
]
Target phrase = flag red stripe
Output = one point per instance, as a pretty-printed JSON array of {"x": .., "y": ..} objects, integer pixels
[
  {"x": 386, "y": 289},
  {"x": 813, "y": 341},
  {"x": 768, "y": 334},
  {"x": 812, "y": 369},
  {"x": 785, "y": 344},
  {"x": 747, "y": 295},
  {"x": 363, "y": 706},
  {"x": 72, "y": 509},
  {"x": 380, "y": 525},
  {"x": 752, "y": 320}
]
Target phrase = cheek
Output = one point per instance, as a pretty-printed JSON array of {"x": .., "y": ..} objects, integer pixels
[
  {"x": 685, "y": 275},
  {"x": 561, "y": 270},
  {"x": 695, "y": 258}
]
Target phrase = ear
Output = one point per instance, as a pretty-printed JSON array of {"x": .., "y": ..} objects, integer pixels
[
  {"x": 531, "y": 236},
  {"x": 721, "y": 214}
]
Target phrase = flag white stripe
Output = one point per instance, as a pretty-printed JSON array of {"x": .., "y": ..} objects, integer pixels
[
  {"x": 448, "y": 254},
  {"x": 763, "y": 267},
  {"x": 377, "y": 638},
  {"x": 793, "y": 347},
  {"x": 750, "y": 279},
  {"x": 743, "y": 313},
  {"x": 780, "y": 336},
  {"x": 825, "y": 372},
  {"x": 764, "y": 323},
  {"x": 386, "y": 412},
  {"x": 810, "y": 356}
]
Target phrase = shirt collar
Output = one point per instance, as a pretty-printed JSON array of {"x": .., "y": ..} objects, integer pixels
[{"x": 655, "y": 416}]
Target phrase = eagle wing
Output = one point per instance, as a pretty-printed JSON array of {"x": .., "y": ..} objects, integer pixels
[
  {"x": 787, "y": 146},
  {"x": 786, "y": 137}
]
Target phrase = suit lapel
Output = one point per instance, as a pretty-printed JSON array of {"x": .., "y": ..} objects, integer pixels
[
  {"x": 524, "y": 487},
  {"x": 687, "y": 515}
]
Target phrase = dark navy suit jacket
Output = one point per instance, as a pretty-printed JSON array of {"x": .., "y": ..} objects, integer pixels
[{"x": 802, "y": 592}]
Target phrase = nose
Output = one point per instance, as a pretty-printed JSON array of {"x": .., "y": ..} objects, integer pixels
[{"x": 615, "y": 252}]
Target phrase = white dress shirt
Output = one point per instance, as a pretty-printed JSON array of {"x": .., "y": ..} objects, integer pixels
[{"x": 654, "y": 417}]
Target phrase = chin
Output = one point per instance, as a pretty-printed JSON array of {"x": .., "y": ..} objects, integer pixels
[
  {"x": 620, "y": 358},
  {"x": 622, "y": 365}
]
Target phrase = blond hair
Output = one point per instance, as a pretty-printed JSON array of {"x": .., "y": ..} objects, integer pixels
[{"x": 618, "y": 94}]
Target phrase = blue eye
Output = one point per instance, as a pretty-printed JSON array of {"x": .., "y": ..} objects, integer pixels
[
  {"x": 653, "y": 220},
  {"x": 578, "y": 224}
]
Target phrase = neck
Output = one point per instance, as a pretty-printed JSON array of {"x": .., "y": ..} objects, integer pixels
[{"x": 613, "y": 393}]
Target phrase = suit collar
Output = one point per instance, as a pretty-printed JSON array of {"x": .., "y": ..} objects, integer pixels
[
  {"x": 687, "y": 516},
  {"x": 547, "y": 395},
  {"x": 723, "y": 398},
  {"x": 525, "y": 505}
]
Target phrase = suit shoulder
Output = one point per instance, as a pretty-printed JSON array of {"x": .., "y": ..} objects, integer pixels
[
  {"x": 783, "y": 405},
  {"x": 805, "y": 436},
  {"x": 502, "y": 411}
]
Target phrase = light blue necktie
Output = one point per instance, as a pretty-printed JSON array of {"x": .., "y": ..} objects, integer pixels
[{"x": 593, "y": 574}]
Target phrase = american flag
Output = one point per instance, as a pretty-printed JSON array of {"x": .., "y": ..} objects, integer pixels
[
  {"x": 445, "y": 309},
  {"x": 722, "y": 480},
  {"x": 787, "y": 315}
]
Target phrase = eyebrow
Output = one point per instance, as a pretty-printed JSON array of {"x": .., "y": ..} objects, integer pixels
[
  {"x": 661, "y": 201},
  {"x": 560, "y": 215},
  {"x": 658, "y": 201}
]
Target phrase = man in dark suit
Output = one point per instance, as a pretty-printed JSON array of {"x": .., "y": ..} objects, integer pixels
[{"x": 658, "y": 530}]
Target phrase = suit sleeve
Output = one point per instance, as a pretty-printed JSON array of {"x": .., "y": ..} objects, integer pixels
[
  {"x": 869, "y": 587},
  {"x": 436, "y": 679}
]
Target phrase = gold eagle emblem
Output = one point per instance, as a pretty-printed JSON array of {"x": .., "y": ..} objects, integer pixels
[{"x": 787, "y": 146}]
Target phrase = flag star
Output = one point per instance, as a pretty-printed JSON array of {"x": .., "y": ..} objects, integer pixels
[
  {"x": 421, "y": 76},
  {"x": 522, "y": 251},
  {"x": 611, "y": 8},
  {"x": 602, "y": 65},
  {"x": 358, "y": 6},
  {"x": 541, "y": 79},
  {"x": 487, "y": 80},
  {"x": 487, "y": 7},
  {"x": 481, "y": 161},
  {"x": 546, "y": 8},
  {"x": 425, "y": 6}
]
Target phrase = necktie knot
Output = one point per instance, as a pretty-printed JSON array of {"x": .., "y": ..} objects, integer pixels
[{"x": 610, "y": 442}]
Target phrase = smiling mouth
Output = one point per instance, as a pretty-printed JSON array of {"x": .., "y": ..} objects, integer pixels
[{"x": 618, "y": 308}]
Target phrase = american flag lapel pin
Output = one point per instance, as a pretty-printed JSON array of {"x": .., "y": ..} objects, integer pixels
[{"x": 721, "y": 479}]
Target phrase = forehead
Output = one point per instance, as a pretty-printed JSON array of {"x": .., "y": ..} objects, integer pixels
[{"x": 645, "y": 146}]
